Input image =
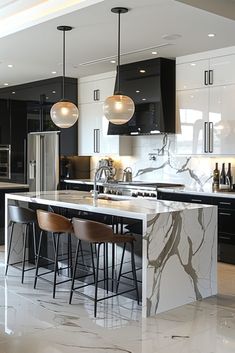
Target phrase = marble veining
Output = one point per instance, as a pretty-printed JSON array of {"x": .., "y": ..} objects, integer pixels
[
  {"x": 180, "y": 251},
  {"x": 177, "y": 238},
  {"x": 169, "y": 161},
  {"x": 31, "y": 319}
]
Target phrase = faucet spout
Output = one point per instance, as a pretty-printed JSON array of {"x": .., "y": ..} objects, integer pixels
[{"x": 97, "y": 176}]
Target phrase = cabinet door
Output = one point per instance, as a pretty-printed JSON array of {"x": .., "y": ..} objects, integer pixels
[
  {"x": 5, "y": 138},
  {"x": 18, "y": 111},
  {"x": 192, "y": 121},
  {"x": 192, "y": 75},
  {"x": 95, "y": 91},
  {"x": 223, "y": 70},
  {"x": 88, "y": 129},
  {"x": 221, "y": 115}
]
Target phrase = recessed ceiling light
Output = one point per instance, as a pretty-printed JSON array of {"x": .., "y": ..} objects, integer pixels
[
  {"x": 53, "y": 72},
  {"x": 142, "y": 71},
  {"x": 6, "y": 84},
  {"x": 13, "y": 92},
  {"x": 113, "y": 61},
  {"x": 154, "y": 52},
  {"x": 193, "y": 64},
  {"x": 53, "y": 92},
  {"x": 10, "y": 65},
  {"x": 137, "y": 91},
  {"x": 143, "y": 99},
  {"x": 211, "y": 35}
]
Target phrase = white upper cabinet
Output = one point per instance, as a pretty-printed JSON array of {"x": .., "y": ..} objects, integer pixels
[
  {"x": 96, "y": 88},
  {"x": 192, "y": 74},
  {"x": 206, "y": 104},
  {"x": 222, "y": 119},
  {"x": 192, "y": 121},
  {"x": 223, "y": 70},
  {"x": 92, "y": 125}
]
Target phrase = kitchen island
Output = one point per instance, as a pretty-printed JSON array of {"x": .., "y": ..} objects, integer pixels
[{"x": 179, "y": 243}]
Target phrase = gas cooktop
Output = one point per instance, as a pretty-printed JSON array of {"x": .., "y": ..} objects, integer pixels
[{"x": 136, "y": 188}]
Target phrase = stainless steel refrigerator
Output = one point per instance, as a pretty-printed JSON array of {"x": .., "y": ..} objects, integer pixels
[{"x": 43, "y": 160}]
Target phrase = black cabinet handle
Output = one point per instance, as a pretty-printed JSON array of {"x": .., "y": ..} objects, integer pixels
[
  {"x": 206, "y": 137},
  {"x": 210, "y": 137},
  {"x": 224, "y": 214},
  {"x": 206, "y": 78},
  {"x": 211, "y": 78},
  {"x": 196, "y": 200},
  {"x": 224, "y": 203},
  {"x": 94, "y": 141},
  {"x": 96, "y": 94}
]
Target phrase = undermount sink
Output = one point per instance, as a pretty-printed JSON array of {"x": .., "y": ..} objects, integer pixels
[{"x": 106, "y": 197}]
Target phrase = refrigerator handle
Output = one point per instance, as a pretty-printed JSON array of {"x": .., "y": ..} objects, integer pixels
[{"x": 32, "y": 166}]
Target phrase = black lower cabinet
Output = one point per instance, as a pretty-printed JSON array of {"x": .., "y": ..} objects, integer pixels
[{"x": 226, "y": 216}]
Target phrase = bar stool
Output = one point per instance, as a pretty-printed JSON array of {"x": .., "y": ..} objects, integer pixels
[
  {"x": 101, "y": 234},
  {"x": 55, "y": 224},
  {"x": 27, "y": 218}
]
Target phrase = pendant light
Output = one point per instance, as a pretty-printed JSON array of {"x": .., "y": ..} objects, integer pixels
[
  {"x": 64, "y": 114},
  {"x": 119, "y": 109}
]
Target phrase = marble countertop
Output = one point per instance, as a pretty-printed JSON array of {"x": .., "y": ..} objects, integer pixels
[
  {"x": 207, "y": 191},
  {"x": 80, "y": 200},
  {"x": 5, "y": 185}
]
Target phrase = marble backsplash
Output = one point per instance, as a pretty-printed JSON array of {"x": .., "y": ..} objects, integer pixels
[{"x": 153, "y": 159}]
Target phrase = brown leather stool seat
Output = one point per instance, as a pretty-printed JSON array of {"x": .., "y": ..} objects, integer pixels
[
  {"x": 55, "y": 224},
  {"x": 101, "y": 234}
]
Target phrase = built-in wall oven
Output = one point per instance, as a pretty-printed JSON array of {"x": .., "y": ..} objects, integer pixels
[{"x": 5, "y": 161}]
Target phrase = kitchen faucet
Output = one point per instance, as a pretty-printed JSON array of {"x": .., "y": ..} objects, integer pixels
[{"x": 96, "y": 178}]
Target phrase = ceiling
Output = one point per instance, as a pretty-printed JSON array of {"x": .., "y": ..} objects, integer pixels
[
  {"x": 224, "y": 8},
  {"x": 36, "y": 51}
]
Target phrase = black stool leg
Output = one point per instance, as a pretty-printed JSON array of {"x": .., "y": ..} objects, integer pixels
[
  {"x": 56, "y": 262},
  {"x": 74, "y": 271},
  {"x": 134, "y": 272},
  {"x": 70, "y": 262},
  {"x": 113, "y": 265},
  {"x": 25, "y": 237},
  {"x": 97, "y": 279},
  {"x": 92, "y": 260},
  {"x": 34, "y": 241},
  {"x": 104, "y": 266},
  {"x": 121, "y": 265},
  {"x": 9, "y": 248},
  {"x": 38, "y": 258},
  {"x": 107, "y": 267}
]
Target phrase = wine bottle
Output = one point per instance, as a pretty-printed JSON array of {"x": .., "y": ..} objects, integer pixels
[
  {"x": 229, "y": 176},
  {"x": 216, "y": 176},
  {"x": 222, "y": 180}
]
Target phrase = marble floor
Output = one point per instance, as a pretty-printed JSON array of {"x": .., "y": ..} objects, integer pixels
[{"x": 32, "y": 322}]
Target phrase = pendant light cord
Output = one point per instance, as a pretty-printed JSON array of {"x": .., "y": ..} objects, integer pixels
[
  {"x": 63, "y": 81},
  {"x": 119, "y": 51}
]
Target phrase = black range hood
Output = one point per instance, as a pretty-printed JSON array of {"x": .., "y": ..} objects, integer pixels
[{"x": 151, "y": 85}]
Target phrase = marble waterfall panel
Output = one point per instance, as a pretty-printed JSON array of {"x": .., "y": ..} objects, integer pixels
[{"x": 179, "y": 259}]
